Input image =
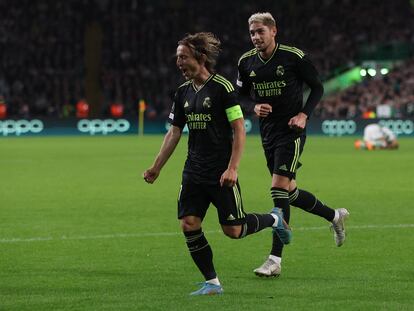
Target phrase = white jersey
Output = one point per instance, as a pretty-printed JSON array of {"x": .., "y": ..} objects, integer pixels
[{"x": 375, "y": 132}]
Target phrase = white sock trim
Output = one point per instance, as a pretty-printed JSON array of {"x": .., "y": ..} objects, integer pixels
[
  {"x": 276, "y": 219},
  {"x": 336, "y": 217},
  {"x": 214, "y": 281}
]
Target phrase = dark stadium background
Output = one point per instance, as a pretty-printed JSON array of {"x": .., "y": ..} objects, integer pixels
[{"x": 107, "y": 54}]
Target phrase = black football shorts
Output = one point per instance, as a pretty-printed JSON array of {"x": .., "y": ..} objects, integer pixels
[
  {"x": 194, "y": 200},
  {"x": 284, "y": 160}
]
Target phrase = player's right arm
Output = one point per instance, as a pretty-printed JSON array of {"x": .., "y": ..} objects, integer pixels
[
  {"x": 263, "y": 110},
  {"x": 177, "y": 119},
  {"x": 171, "y": 140}
]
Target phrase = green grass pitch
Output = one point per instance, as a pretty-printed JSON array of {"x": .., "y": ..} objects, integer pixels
[{"x": 81, "y": 230}]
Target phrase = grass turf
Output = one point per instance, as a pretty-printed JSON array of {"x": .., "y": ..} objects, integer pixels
[{"x": 80, "y": 230}]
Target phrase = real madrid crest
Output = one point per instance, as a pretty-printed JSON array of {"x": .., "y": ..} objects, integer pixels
[
  {"x": 280, "y": 71},
  {"x": 207, "y": 103}
]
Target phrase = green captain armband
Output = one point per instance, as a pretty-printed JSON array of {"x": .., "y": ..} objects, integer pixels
[{"x": 234, "y": 113}]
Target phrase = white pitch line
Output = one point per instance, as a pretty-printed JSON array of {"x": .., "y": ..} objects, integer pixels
[
  {"x": 161, "y": 234},
  {"x": 359, "y": 227}
]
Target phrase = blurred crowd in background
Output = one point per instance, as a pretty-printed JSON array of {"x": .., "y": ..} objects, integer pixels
[
  {"x": 42, "y": 43},
  {"x": 390, "y": 95}
]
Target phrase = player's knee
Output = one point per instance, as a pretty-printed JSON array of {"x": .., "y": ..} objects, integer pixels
[
  {"x": 232, "y": 235},
  {"x": 190, "y": 224},
  {"x": 279, "y": 181},
  {"x": 232, "y": 232}
]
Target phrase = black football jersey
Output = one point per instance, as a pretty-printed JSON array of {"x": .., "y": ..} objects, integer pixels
[
  {"x": 278, "y": 81},
  {"x": 210, "y": 139}
]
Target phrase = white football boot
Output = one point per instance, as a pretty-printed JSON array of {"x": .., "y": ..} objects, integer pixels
[
  {"x": 338, "y": 226},
  {"x": 268, "y": 269}
]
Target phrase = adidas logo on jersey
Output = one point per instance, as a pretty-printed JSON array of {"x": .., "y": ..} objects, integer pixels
[
  {"x": 186, "y": 104},
  {"x": 252, "y": 74}
]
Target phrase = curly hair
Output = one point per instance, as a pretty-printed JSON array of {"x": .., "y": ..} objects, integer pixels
[{"x": 203, "y": 43}]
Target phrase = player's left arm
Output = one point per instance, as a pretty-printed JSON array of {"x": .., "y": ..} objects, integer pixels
[
  {"x": 235, "y": 117},
  {"x": 243, "y": 88},
  {"x": 308, "y": 73}
]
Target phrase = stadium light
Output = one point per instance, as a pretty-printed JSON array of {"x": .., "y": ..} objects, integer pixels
[
  {"x": 372, "y": 72},
  {"x": 384, "y": 71},
  {"x": 363, "y": 72}
]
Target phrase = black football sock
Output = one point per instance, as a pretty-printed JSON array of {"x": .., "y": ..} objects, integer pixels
[
  {"x": 277, "y": 246},
  {"x": 280, "y": 198},
  {"x": 201, "y": 253},
  {"x": 309, "y": 203},
  {"x": 255, "y": 223}
]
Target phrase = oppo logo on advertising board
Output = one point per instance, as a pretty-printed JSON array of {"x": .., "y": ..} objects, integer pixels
[
  {"x": 104, "y": 127},
  {"x": 19, "y": 127},
  {"x": 399, "y": 127},
  {"x": 349, "y": 127},
  {"x": 339, "y": 127}
]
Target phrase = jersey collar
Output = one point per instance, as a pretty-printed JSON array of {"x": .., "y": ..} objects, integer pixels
[
  {"x": 205, "y": 82},
  {"x": 265, "y": 61}
]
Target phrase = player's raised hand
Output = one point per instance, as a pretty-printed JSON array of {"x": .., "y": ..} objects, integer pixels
[
  {"x": 262, "y": 110},
  {"x": 228, "y": 178},
  {"x": 298, "y": 122},
  {"x": 150, "y": 175}
]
